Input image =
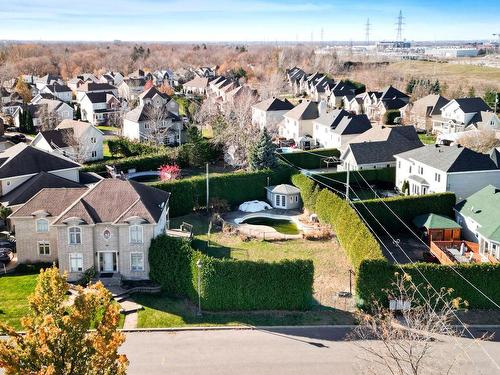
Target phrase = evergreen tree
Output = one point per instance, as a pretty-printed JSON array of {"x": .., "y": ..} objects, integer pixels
[
  {"x": 28, "y": 125},
  {"x": 472, "y": 92},
  {"x": 78, "y": 114},
  {"x": 262, "y": 153}
]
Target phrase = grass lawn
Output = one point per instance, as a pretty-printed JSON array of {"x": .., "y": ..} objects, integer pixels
[
  {"x": 163, "y": 311},
  {"x": 331, "y": 266},
  {"x": 427, "y": 139},
  {"x": 14, "y": 292},
  {"x": 105, "y": 128}
]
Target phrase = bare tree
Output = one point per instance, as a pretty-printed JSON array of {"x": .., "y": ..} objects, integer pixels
[
  {"x": 48, "y": 119},
  {"x": 79, "y": 149},
  {"x": 156, "y": 123},
  {"x": 404, "y": 345},
  {"x": 274, "y": 86},
  {"x": 479, "y": 140}
]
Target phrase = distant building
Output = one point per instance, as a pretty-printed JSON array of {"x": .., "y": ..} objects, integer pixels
[{"x": 451, "y": 52}]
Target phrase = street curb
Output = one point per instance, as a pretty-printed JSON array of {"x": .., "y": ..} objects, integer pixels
[{"x": 229, "y": 328}]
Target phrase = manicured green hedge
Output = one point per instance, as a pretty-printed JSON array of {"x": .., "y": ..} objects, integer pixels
[
  {"x": 376, "y": 275},
  {"x": 237, "y": 187},
  {"x": 309, "y": 159},
  {"x": 125, "y": 147},
  {"x": 406, "y": 207},
  {"x": 380, "y": 175},
  {"x": 147, "y": 162},
  {"x": 358, "y": 242},
  {"x": 228, "y": 284},
  {"x": 308, "y": 190}
]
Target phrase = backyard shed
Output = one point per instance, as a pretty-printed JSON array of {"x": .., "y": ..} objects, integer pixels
[
  {"x": 283, "y": 196},
  {"x": 438, "y": 227}
]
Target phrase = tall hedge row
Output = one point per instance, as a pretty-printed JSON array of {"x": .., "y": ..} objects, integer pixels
[
  {"x": 308, "y": 190},
  {"x": 235, "y": 188},
  {"x": 310, "y": 159},
  {"x": 406, "y": 207},
  {"x": 380, "y": 175},
  {"x": 228, "y": 284},
  {"x": 376, "y": 275}
]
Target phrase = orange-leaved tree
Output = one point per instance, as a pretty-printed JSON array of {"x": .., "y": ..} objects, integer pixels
[{"x": 58, "y": 339}]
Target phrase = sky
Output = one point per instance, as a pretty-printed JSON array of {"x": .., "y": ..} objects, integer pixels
[{"x": 246, "y": 20}]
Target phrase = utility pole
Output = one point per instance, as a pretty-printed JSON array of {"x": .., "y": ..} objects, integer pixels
[
  {"x": 347, "y": 184},
  {"x": 208, "y": 191}
]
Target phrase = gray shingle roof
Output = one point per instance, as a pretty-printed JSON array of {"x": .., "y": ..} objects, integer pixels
[
  {"x": 30, "y": 188},
  {"x": 332, "y": 118},
  {"x": 22, "y": 160},
  {"x": 307, "y": 110},
  {"x": 471, "y": 105},
  {"x": 454, "y": 158},
  {"x": 353, "y": 125},
  {"x": 274, "y": 104},
  {"x": 379, "y": 145}
]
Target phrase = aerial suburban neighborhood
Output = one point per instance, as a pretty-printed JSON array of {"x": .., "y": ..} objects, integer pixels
[{"x": 236, "y": 200}]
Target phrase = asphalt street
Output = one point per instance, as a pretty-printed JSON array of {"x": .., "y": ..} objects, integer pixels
[{"x": 279, "y": 351}]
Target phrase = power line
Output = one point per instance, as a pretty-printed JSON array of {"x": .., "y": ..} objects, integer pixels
[
  {"x": 395, "y": 260},
  {"x": 412, "y": 232}
]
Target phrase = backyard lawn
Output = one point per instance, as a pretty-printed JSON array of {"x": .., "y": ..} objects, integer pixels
[
  {"x": 427, "y": 139},
  {"x": 331, "y": 266},
  {"x": 105, "y": 128}
]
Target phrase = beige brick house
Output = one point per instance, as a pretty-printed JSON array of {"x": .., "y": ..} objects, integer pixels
[{"x": 109, "y": 227}]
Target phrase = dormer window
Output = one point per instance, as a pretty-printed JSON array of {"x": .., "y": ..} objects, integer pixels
[
  {"x": 74, "y": 236},
  {"x": 136, "y": 234},
  {"x": 42, "y": 225}
]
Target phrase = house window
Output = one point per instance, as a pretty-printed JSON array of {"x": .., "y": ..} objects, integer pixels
[
  {"x": 43, "y": 248},
  {"x": 277, "y": 200},
  {"x": 42, "y": 225},
  {"x": 94, "y": 154},
  {"x": 74, "y": 235},
  {"x": 399, "y": 164},
  {"x": 437, "y": 177},
  {"x": 76, "y": 262},
  {"x": 283, "y": 201},
  {"x": 136, "y": 234},
  {"x": 420, "y": 170},
  {"x": 409, "y": 169},
  {"x": 296, "y": 198},
  {"x": 93, "y": 140},
  {"x": 136, "y": 261}
]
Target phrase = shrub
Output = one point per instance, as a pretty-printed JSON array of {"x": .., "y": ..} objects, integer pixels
[
  {"x": 228, "y": 284},
  {"x": 309, "y": 160},
  {"x": 140, "y": 163},
  {"x": 406, "y": 207},
  {"x": 390, "y": 116},
  {"x": 190, "y": 193},
  {"x": 124, "y": 147}
]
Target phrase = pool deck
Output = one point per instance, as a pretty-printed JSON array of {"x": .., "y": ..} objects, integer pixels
[{"x": 263, "y": 231}]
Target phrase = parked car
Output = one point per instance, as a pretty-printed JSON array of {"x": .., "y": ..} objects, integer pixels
[{"x": 5, "y": 255}]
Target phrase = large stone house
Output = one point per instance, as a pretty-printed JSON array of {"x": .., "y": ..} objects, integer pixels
[
  {"x": 108, "y": 227},
  {"x": 437, "y": 169}
]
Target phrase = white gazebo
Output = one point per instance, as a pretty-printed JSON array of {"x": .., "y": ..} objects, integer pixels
[{"x": 283, "y": 196}]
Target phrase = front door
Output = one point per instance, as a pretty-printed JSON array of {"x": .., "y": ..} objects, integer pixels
[{"x": 107, "y": 261}]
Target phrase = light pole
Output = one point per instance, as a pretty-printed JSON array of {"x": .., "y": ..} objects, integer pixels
[{"x": 199, "y": 264}]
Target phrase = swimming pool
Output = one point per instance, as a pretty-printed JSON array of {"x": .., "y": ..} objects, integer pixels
[{"x": 284, "y": 226}]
